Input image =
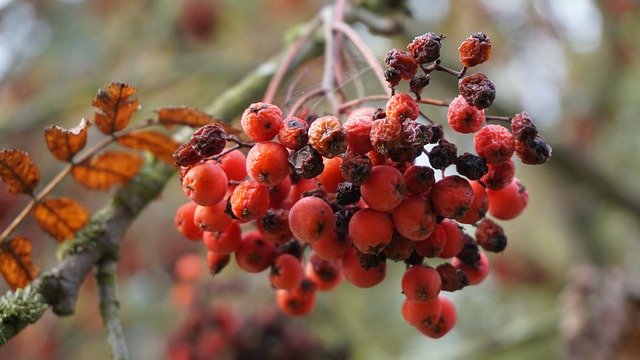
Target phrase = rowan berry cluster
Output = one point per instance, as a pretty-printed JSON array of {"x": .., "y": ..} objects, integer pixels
[{"x": 321, "y": 200}]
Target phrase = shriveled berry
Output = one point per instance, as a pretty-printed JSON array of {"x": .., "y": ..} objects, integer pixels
[
  {"x": 477, "y": 90},
  {"x": 470, "y": 254},
  {"x": 402, "y": 62},
  {"x": 261, "y": 121},
  {"x": 358, "y": 132},
  {"x": 476, "y": 274},
  {"x": 475, "y": 50},
  {"x": 292, "y": 247},
  {"x": 509, "y": 202},
  {"x": 452, "y": 278},
  {"x": 328, "y": 136},
  {"x": 186, "y": 155},
  {"x": 471, "y": 166},
  {"x": 500, "y": 175},
  {"x": 451, "y": 196},
  {"x": 437, "y": 132},
  {"x": 267, "y": 163},
  {"x": 293, "y": 133},
  {"x": 491, "y": 236},
  {"x": 463, "y": 117},
  {"x": 419, "y": 179},
  {"x": 385, "y": 134},
  {"x": 392, "y": 76},
  {"x": 523, "y": 127},
  {"x": 443, "y": 154},
  {"x": 356, "y": 168},
  {"x": 425, "y": 48},
  {"x": 535, "y": 152},
  {"x": 417, "y": 83},
  {"x": 494, "y": 143},
  {"x": 342, "y": 218},
  {"x": 414, "y": 258},
  {"x": 347, "y": 193},
  {"x": 209, "y": 140},
  {"x": 306, "y": 162},
  {"x": 249, "y": 200},
  {"x": 399, "y": 249},
  {"x": 479, "y": 205},
  {"x": 401, "y": 107}
]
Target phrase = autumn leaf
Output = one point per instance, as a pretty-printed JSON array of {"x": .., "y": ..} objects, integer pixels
[
  {"x": 116, "y": 107},
  {"x": 191, "y": 117},
  {"x": 156, "y": 143},
  {"x": 103, "y": 171},
  {"x": 15, "y": 262},
  {"x": 61, "y": 217},
  {"x": 18, "y": 171},
  {"x": 64, "y": 144}
]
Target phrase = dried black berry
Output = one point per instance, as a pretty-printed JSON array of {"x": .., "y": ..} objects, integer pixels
[
  {"x": 209, "y": 140},
  {"x": 471, "y": 166},
  {"x": 306, "y": 162},
  {"x": 356, "y": 168},
  {"x": 477, "y": 90},
  {"x": 443, "y": 154},
  {"x": 347, "y": 193},
  {"x": 425, "y": 48},
  {"x": 469, "y": 254},
  {"x": 452, "y": 278}
]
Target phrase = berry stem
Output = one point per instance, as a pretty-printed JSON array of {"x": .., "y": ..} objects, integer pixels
[
  {"x": 356, "y": 102},
  {"x": 505, "y": 119},
  {"x": 457, "y": 74}
]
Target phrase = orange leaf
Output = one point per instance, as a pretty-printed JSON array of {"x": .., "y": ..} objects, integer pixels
[
  {"x": 191, "y": 117},
  {"x": 115, "y": 107},
  {"x": 156, "y": 143},
  {"x": 18, "y": 171},
  {"x": 64, "y": 144},
  {"x": 61, "y": 217},
  {"x": 15, "y": 262},
  {"x": 103, "y": 171}
]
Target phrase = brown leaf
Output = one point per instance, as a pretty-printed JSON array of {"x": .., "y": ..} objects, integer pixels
[
  {"x": 116, "y": 107},
  {"x": 181, "y": 115},
  {"x": 103, "y": 171},
  {"x": 15, "y": 262},
  {"x": 64, "y": 144},
  {"x": 61, "y": 217},
  {"x": 18, "y": 171},
  {"x": 157, "y": 143}
]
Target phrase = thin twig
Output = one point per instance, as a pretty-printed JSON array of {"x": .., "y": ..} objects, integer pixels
[
  {"x": 110, "y": 306},
  {"x": 349, "y": 104},
  {"x": 303, "y": 99},
  {"x": 505, "y": 119},
  {"x": 328, "y": 73}
]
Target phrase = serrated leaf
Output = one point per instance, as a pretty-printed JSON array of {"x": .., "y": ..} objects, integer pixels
[
  {"x": 181, "y": 115},
  {"x": 61, "y": 217},
  {"x": 110, "y": 168},
  {"x": 160, "y": 145},
  {"x": 64, "y": 144},
  {"x": 18, "y": 171},
  {"x": 116, "y": 107},
  {"x": 16, "y": 264}
]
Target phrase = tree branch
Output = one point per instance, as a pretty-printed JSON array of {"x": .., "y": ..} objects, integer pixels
[{"x": 109, "y": 307}]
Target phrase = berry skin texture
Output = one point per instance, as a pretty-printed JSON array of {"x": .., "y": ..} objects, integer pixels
[
  {"x": 310, "y": 219},
  {"x": 286, "y": 272},
  {"x": 328, "y": 136},
  {"x": 414, "y": 218},
  {"x": 401, "y": 107},
  {"x": 225, "y": 241},
  {"x": 358, "y": 275},
  {"x": 421, "y": 313},
  {"x": 479, "y": 206},
  {"x": 494, "y": 143},
  {"x": 463, "y": 117},
  {"x": 205, "y": 184},
  {"x": 478, "y": 90},
  {"x": 208, "y": 140},
  {"x": 267, "y": 163},
  {"x": 425, "y": 48},
  {"x": 255, "y": 253},
  {"x": 358, "y": 132},
  {"x": 446, "y": 321},
  {"x": 212, "y": 218},
  {"x": 356, "y": 168},
  {"x": 451, "y": 196},
  {"x": 261, "y": 121},
  {"x": 400, "y": 62},
  {"x": 523, "y": 128},
  {"x": 421, "y": 283},
  {"x": 500, "y": 175},
  {"x": 184, "y": 222},
  {"x": 508, "y": 203},
  {"x": 476, "y": 274},
  {"x": 473, "y": 167},
  {"x": 234, "y": 165},
  {"x": 385, "y": 135},
  {"x": 384, "y": 189},
  {"x": 293, "y": 133},
  {"x": 490, "y": 236},
  {"x": 370, "y": 230},
  {"x": 535, "y": 152},
  {"x": 453, "y": 279},
  {"x": 475, "y": 50},
  {"x": 443, "y": 154},
  {"x": 249, "y": 200},
  {"x": 298, "y": 301}
]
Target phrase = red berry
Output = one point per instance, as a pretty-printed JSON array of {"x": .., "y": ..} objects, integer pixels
[
  {"x": 421, "y": 283},
  {"x": 509, "y": 202},
  {"x": 384, "y": 189},
  {"x": 400, "y": 248},
  {"x": 279, "y": 192},
  {"x": 360, "y": 276},
  {"x": 451, "y": 196},
  {"x": 331, "y": 176},
  {"x": 274, "y": 225},
  {"x": 491, "y": 236},
  {"x": 454, "y": 239},
  {"x": 475, "y": 50},
  {"x": 261, "y": 121},
  {"x": 421, "y": 314},
  {"x": 212, "y": 218},
  {"x": 494, "y": 143},
  {"x": 299, "y": 301},
  {"x": 255, "y": 253},
  {"x": 419, "y": 179},
  {"x": 184, "y": 222},
  {"x": 414, "y": 218},
  {"x": 234, "y": 165},
  {"x": 500, "y": 175},
  {"x": 326, "y": 274},
  {"x": 293, "y": 133},
  {"x": 463, "y": 117},
  {"x": 331, "y": 246},
  {"x": 370, "y": 230},
  {"x": 358, "y": 132},
  {"x": 401, "y": 107},
  {"x": 225, "y": 241},
  {"x": 444, "y": 324},
  {"x": 475, "y": 274},
  {"x": 217, "y": 262},
  {"x": 205, "y": 184},
  {"x": 268, "y": 163},
  {"x": 286, "y": 272},
  {"x": 310, "y": 219},
  {"x": 479, "y": 205}
]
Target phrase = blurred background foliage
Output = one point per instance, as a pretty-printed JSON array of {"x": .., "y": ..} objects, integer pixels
[{"x": 567, "y": 284}]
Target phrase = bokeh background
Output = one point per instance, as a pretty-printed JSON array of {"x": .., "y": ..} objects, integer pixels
[{"x": 567, "y": 285}]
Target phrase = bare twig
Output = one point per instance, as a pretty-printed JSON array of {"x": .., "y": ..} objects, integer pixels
[
  {"x": 109, "y": 307},
  {"x": 353, "y": 103}
]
